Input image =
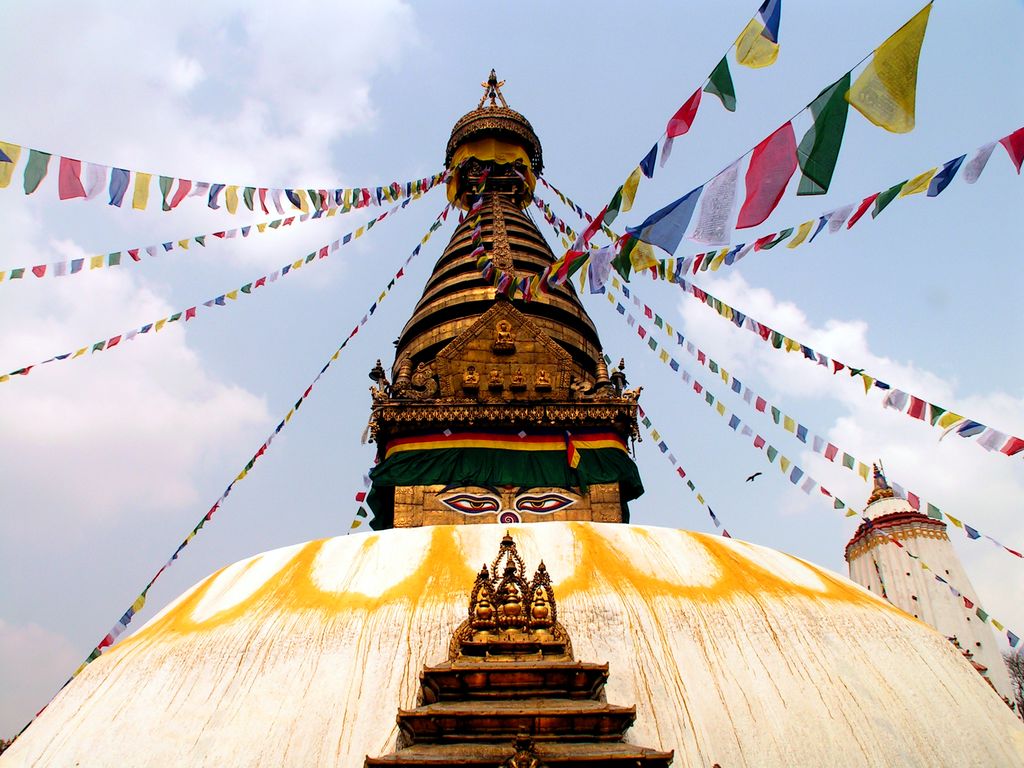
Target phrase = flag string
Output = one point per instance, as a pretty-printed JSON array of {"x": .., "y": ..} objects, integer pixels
[
  {"x": 80, "y": 179},
  {"x": 134, "y": 255},
  {"x": 752, "y": 399},
  {"x": 122, "y": 624},
  {"x": 796, "y": 474},
  {"x": 911, "y": 405},
  {"x": 219, "y": 301}
]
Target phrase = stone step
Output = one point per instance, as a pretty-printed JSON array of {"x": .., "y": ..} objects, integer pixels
[
  {"x": 500, "y": 721},
  {"x": 562, "y": 755},
  {"x": 502, "y": 680}
]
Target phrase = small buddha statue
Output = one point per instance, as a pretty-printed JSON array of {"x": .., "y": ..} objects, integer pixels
[
  {"x": 518, "y": 380},
  {"x": 494, "y": 381},
  {"x": 470, "y": 378},
  {"x": 504, "y": 338},
  {"x": 511, "y": 609},
  {"x": 542, "y": 380},
  {"x": 540, "y": 609}
]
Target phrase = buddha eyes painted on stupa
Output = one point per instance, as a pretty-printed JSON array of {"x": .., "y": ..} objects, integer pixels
[{"x": 509, "y": 505}]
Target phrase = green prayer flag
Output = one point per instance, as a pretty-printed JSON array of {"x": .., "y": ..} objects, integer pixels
[
  {"x": 981, "y": 614},
  {"x": 776, "y": 414},
  {"x": 936, "y": 413},
  {"x": 838, "y": 504},
  {"x": 17, "y": 273},
  {"x": 778, "y": 239},
  {"x": 114, "y": 259},
  {"x": 35, "y": 169},
  {"x": 690, "y": 485},
  {"x": 713, "y": 366},
  {"x": 310, "y": 257},
  {"x": 201, "y": 239},
  {"x": 772, "y": 453},
  {"x": 652, "y": 342},
  {"x": 274, "y": 224},
  {"x": 848, "y": 461},
  {"x": 709, "y": 398},
  {"x": 247, "y": 288},
  {"x": 622, "y": 263},
  {"x": 819, "y": 148},
  {"x": 933, "y": 512},
  {"x": 777, "y": 339},
  {"x": 884, "y": 198},
  {"x": 613, "y": 207},
  {"x": 658, "y": 321},
  {"x": 720, "y": 85},
  {"x": 98, "y": 346},
  {"x": 247, "y": 197},
  {"x": 174, "y": 318},
  {"x": 165, "y": 189}
]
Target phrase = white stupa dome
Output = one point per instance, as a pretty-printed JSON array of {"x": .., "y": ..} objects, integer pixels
[{"x": 732, "y": 653}]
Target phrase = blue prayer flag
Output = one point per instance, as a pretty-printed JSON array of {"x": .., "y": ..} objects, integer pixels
[
  {"x": 941, "y": 179},
  {"x": 795, "y": 475},
  {"x": 647, "y": 164},
  {"x": 118, "y": 185},
  {"x": 665, "y": 228}
]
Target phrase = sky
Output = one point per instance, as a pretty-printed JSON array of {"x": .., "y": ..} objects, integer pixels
[{"x": 108, "y": 461}]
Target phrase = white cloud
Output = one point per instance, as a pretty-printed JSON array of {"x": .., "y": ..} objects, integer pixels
[{"x": 34, "y": 661}]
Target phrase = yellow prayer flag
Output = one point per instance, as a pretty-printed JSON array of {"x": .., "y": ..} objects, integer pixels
[
  {"x": 788, "y": 424},
  {"x": 851, "y": 512},
  {"x": 642, "y": 256},
  {"x": 954, "y": 521},
  {"x": 141, "y": 194},
  {"x": 5, "y": 377},
  {"x": 949, "y": 418},
  {"x": 140, "y": 601},
  {"x": 261, "y": 227},
  {"x": 720, "y": 408},
  {"x": 381, "y": 297},
  {"x": 700, "y": 499},
  {"x": 663, "y": 356},
  {"x": 359, "y": 232},
  {"x": 919, "y": 183},
  {"x": 13, "y": 151},
  {"x": 616, "y": 284},
  {"x": 241, "y": 475},
  {"x": 868, "y": 382},
  {"x": 95, "y": 262},
  {"x": 303, "y": 201},
  {"x": 655, "y": 435},
  {"x": 158, "y": 326},
  {"x": 332, "y": 212},
  {"x": 886, "y": 91},
  {"x": 183, "y": 244},
  {"x": 753, "y": 49},
  {"x": 789, "y": 344},
  {"x": 297, "y": 264},
  {"x": 231, "y": 198},
  {"x": 335, "y": 355},
  {"x": 611, "y": 297},
  {"x": 233, "y": 295},
  {"x": 997, "y": 625},
  {"x": 2, "y": 275},
  {"x": 724, "y": 374},
  {"x": 801, "y": 234},
  {"x": 79, "y": 353},
  {"x": 717, "y": 261},
  {"x": 862, "y": 470},
  {"x": 629, "y": 190},
  {"x": 669, "y": 331},
  {"x": 784, "y": 464},
  {"x": 355, "y": 524}
]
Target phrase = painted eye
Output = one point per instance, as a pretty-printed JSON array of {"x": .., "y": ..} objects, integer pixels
[
  {"x": 468, "y": 504},
  {"x": 543, "y": 504}
]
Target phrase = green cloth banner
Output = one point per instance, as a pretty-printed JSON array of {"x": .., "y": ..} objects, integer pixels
[
  {"x": 819, "y": 148},
  {"x": 720, "y": 85}
]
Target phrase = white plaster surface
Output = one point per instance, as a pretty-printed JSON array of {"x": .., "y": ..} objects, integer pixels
[{"x": 731, "y": 653}]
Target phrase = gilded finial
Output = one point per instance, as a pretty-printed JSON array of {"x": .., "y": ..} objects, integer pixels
[
  {"x": 882, "y": 490},
  {"x": 492, "y": 91}
]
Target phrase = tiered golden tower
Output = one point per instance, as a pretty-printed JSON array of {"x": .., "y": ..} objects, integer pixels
[{"x": 500, "y": 406}]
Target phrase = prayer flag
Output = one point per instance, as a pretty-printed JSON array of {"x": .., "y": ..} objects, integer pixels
[
  {"x": 647, "y": 164},
  {"x": 819, "y": 148},
  {"x": 681, "y": 121},
  {"x": 945, "y": 175},
  {"x": 720, "y": 85},
  {"x": 801, "y": 234},
  {"x": 1013, "y": 446},
  {"x": 184, "y": 185},
  {"x": 11, "y": 153},
  {"x": 69, "y": 182},
  {"x": 231, "y": 198},
  {"x": 758, "y": 43},
  {"x": 140, "y": 196},
  {"x": 716, "y": 208},
  {"x": 665, "y": 228},
  {"x": 884, "y": 198},
  {"x": 919, "y": 183},
  {"x": 974, "y": 167},
  {"x": 629, "y": 190},
  {"x": 35, "y": 169},
  {"x": 886, "y": 91},
  {"x": 861, "y": 209},
  {"x": 772, "y": 164},
  {"x": 1014, "y": 145}
]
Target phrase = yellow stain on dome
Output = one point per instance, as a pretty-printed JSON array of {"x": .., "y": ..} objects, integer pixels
[{"x": 443, "y": 575}]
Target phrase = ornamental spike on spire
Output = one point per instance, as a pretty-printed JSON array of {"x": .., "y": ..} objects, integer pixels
[{"x": 492, "y": 91}]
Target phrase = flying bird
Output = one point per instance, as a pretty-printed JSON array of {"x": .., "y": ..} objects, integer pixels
[{"x": 751, "y": 478}]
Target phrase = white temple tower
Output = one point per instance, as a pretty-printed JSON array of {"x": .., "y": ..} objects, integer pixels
[{"x": 877, "y": 563}]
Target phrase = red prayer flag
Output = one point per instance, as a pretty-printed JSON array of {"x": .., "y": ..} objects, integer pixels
[
  {"x": 836, "y": 367},
  {"x": 114, "y": 341},
  {"x": 861, "y": 209},
  {"x": 681, "y": 121},
  {"x": 913, "y": 500},
  {"x": 184, "y": 186},
  {"x": 134, "y": 253},
  {"x": 968, "y": 603},
  {"x": 69, "y": 179},
  {"x": 760, "y": 404},
  {"x": 759, "y": 442},
  {"x": 681, "y": 472},
  {"x": 762, "y": 241},
  {"x": 831, "y": 452},
  {"x": 916, "y": 409},
  {"x": 260, "y": 282},
  {"x": 772, "y": 164},
  {"x": 190, "y": 313},
  {"x": 263, "y": 199},
  {"x": 39, "y": 270},
  {"x": 1014, "y": 144},
  {"x": 1013, "y": 446}
]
